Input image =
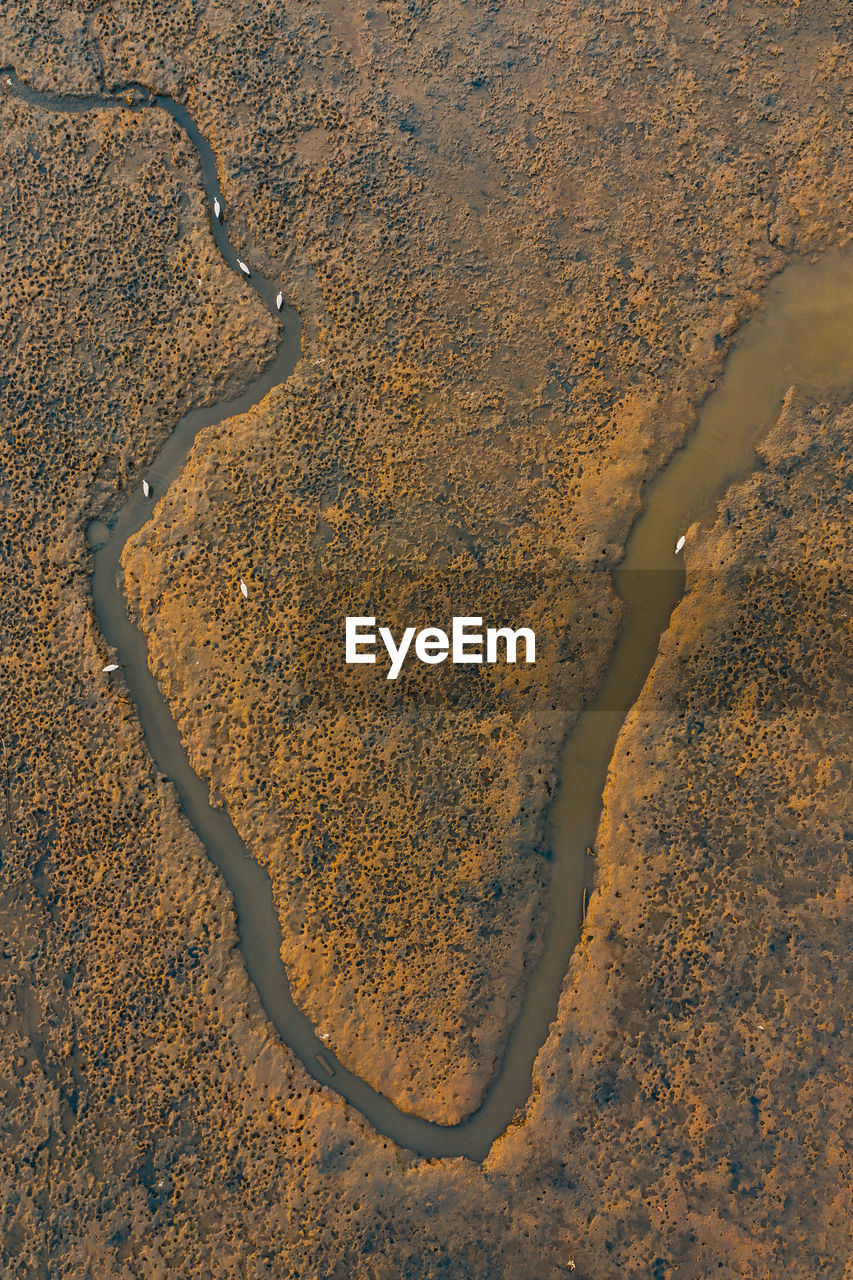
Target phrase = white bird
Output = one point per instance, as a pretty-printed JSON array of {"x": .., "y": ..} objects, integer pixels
[
  {"x": 243, "y": 267},
  {"x": 111, "y": 666},
  {"x": 680, "y": 543},
  {"x": 217, "y": 209},
  {"x": 244, "y": 589},
  {"x": 146, "y": 488},
  {"x": 279, "y": 299}
]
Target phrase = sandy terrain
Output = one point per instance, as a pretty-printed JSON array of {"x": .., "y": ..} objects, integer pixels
[{"x": 520, "y": 241}]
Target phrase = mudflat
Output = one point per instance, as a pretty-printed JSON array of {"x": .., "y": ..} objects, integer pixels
[{"x": 521, "y": 243}]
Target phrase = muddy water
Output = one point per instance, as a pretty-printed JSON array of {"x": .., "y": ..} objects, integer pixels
[{"x": 804, "y": 336}]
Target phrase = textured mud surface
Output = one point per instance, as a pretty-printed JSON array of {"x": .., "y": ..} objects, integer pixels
[
  {"x": 704, "y": 1050},
  {"x": 520, "y": 246},
  {"x": 503, "y": 335}
]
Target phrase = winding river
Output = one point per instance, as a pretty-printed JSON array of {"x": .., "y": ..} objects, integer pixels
[{"x": 804, "y": 336}]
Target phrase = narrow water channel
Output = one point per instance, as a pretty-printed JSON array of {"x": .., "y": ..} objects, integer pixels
[{"x": 804, "y": 336}]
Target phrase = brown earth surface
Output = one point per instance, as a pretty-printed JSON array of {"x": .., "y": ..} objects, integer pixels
[
  {"x": 520, "y": 241},
  {"x": 694, "y": 1103}
]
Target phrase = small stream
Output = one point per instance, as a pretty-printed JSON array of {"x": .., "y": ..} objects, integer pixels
[{"x": 804, "y": 336}]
